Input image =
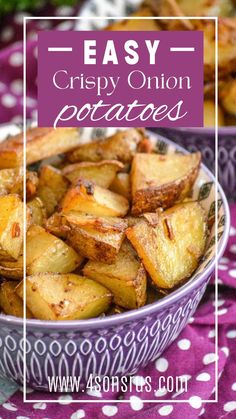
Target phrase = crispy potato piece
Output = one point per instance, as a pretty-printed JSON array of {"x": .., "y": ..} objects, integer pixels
[
  {"x": 64, "y": 297},
  {"x": 52, "y": 187},
  {"x": 11, "y": 225},
  {"x": 8, "y": 178},
  {"x": 159, "y": 181},
  {"x": 209, "y": 114},
  {"x": 120, "y": 146},
  {"x": 12, "y": 269},
  {"x": 57, "y": 225},
  {"x": 37, "y": 211},
  {"x": 41, "y": 143},
  {"x": 125, "y": 278},
  {"x": 171, "y": 250},
  {"x": 97, "y": 238},
  {"x": 10, "y": 302},
  {"x": 102, "y": 173},
  {"x": 89, "y": 198},
  {"x": 228, "y": 97},
  {"x": 47, "y": 253},
  {"x": 191, "y": 8},
  {"x": 121, "y": 185},
  {"x": 136, "y": 24}
]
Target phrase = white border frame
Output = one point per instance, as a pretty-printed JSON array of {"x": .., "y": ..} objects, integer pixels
[{"x": 25, "y": 19}]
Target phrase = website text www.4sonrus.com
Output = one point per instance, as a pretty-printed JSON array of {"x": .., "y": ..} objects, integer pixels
[{"x": 105, "y": 384}]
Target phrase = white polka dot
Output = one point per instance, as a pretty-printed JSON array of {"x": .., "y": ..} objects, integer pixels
[
  {"x": 225, "y": 350},
  {"x": 39, "y": 406},
  {"x": 94, "y": 392},
  {"x": 10, "y": 406},
  {"x": 165, "y": 410},
  {"x": 232, "y": 273},
  {"x": 195, "y": 402},
  {"x": 136, "y": 403},
  {"x": 204, "y": 376},
  {"x": 224, "y": 260},
  {"x": 234, "y": 387},
  {"x": 218, "y": 303},
  {"x": 182, "y": 390},
  {"x": 16, "y": 59},
  {"x": 231, "y": 334},
  {"x": 8, "y": 100},
  {"x": 64, "y": 11},
  {"x": 232, "y": 231},
  {"x": 35, "y": 53},
  {"x": 22, "y": 417},
  {"x": 222, "y": 311},
  {"x": 202, "y": 411},
  {"x": 2, "y": 86},
  {"x": 65, "y": 26},
  {"x": 7, "y": 34},
  {"x": 230, "y": 406},
  {"x": 17, "y": 86},
  {"x": 184, "y": 344},
  {"x": 18, "y": 18},
  {"x": 211, "y": 334},
  {"x": 31, "y": 102},
  {"x": 223, "y": 267},
  {"x": 161, "y": 364},
  {"x": 79, "y": 414},
  {"x": 209, "y": 358},
  {"x": 219, "y": 281},
  {"x": 191, "y": 320},
  {"x": 65, "y": 399},
  {"x": 233, "y": 248},
  {"x": 161, "y": 392},
  {"x": 109, "y": 410},
  {"x": 138, "y": 380}
]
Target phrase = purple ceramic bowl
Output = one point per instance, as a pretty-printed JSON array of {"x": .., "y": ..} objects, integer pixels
[
  {"x": 204, "y": 139},
  {"x": 115, "y": 345}
]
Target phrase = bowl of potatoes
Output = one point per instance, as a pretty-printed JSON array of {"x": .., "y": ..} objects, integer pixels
[{"x": 120, "y": 245}]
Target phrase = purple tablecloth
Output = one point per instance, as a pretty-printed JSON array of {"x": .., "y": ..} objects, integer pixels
[{"x": 192, "y": 354}]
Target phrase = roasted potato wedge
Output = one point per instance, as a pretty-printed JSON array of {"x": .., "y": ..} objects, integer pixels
[
  {"x": 122, "y": 185},
  {"x": 120, "y": 146},
  {"x": 11, "y": 225},
  {"x": 125, "y": 278},
  {"x": 52, "y": 187},
  {"x": 12, "y": 269},
  {"x": 171, "y": 250},
  {"x": 228, "y": 97},
  {"x": 10, "y": 302},
  {"x": 57, "y": 225},
  {"x": 38, "y": 212},
  {"x": 47, "y": 253},
  {"x": 209, "y": 114},
  {"x": 96, "y": 238},
  {"x": 159, "y": 181},
  {"x": 8, "y": 179},
  {"x": 64, "y": 297},
  {"x": 89, "y": 198},
  {"x": 101, "y": 173},
  {"x": 41, "y": 143},
  {"x": 136, "y": 24}
]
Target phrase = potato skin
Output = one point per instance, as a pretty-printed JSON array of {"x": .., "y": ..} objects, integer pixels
[
  {"x": 150, "y": 197},
  {"x": 171, "y": 249},
  {"x": 10, "y": 302}
]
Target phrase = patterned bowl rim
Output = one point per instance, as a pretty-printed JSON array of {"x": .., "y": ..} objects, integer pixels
[
  {"x": 226, "y": 131},
  {"x": 110, "y": 321}
]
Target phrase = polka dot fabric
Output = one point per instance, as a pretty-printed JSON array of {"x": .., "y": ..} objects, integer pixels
[{"x": 191, "y": 356}]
